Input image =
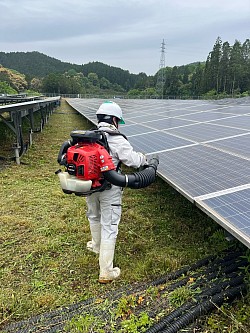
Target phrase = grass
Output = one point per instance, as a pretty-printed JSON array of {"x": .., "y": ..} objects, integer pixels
[{"x": 44, "y": 263}]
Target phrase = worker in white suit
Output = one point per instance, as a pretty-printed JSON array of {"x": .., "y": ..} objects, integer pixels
[{"x": 104, "y": 208}]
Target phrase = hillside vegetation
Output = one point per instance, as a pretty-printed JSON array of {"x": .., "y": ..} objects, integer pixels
[
  {"x": 225, "y": 73},
  {"x": 35, "y": 64},
  {"x": 11, "y": 81}
]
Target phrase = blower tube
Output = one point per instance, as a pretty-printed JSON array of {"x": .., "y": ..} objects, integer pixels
[{"x": 135, "y": 180}]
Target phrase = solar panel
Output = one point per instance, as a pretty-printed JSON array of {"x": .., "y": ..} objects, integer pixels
[
  {"x": 205, "y": 131},
  {"x": 242, "y": 122},
  {"x": 205, "y": 116},
  {"x": 238, "y": 145},
  {"x": 134, "y": 129},
  {"x": 153, "y": 142},
  {"x": 231, "y": 210},
  {"x": 197, "y": 170},
  {"x": 165, "y": 123},
  {"x": 203, "y": 147}
]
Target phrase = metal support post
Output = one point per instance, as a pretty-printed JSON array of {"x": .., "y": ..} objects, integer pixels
[
  {"x": 30, "y": 137},
  {"x": 17, "y": 148}
]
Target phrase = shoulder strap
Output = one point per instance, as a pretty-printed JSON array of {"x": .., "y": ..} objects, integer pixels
[{"x": 115, "y": 133}]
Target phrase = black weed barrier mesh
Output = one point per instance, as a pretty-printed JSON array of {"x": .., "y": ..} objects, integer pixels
[{"x": 167, "y": 304}]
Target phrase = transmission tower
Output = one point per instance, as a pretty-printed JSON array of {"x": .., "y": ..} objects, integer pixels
[{"x": 161, "y": 73}]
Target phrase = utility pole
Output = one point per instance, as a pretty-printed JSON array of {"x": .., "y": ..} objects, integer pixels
[{"x": 161, "y": 77}]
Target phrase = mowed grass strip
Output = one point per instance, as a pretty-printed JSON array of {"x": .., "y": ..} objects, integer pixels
[{"x": 44, "y": 263}]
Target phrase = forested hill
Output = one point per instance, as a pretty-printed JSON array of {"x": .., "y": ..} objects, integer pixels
[
  {"x": 36, "y": 64},
  {"x": 226, "y": 72}
]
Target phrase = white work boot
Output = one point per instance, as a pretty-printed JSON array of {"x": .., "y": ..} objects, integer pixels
[
  {"x": 108, "y": 273},
  {"x": 94, "y": 244}
]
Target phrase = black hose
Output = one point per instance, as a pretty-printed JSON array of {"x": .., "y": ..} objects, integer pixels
[
  {"x": 205, "y": 307},
  {"x": 55, "y": 321},
  {"x": 62, "y": 151},
  {"x": 179, "y": 312},
  {"x": 135, "y": 180},
  {"x": 41, "y": 318}
]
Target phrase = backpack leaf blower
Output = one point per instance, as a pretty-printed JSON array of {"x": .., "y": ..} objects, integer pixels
[{"x": 89, "y": 167}]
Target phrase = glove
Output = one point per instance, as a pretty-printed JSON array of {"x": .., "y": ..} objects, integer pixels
[
  {"x": 154, "y": 161},
  {"x": 154, "y": 157}
]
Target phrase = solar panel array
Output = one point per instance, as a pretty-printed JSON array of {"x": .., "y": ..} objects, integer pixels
[{"x": 203, "y": 147}]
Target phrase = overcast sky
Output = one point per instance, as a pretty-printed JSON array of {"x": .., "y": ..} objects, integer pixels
[{"x": 122, "y": 33}]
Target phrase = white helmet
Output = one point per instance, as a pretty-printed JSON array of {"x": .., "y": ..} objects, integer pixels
[{"x": 111, "y": 109}]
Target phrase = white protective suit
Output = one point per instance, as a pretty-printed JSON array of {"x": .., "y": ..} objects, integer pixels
[{"x": 104, "y": 208}]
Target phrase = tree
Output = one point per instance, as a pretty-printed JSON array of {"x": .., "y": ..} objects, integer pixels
[
  {"x": 150, "y": 92},
  {"x": 13, "y": 79},
  {"x": 224, "y": 67},
  {"x": 175, "y": 83},
  {"x": 5, "y": 88},
  {"x": 71, "y": 73},
  {"x": 93, "y": 78},
  {"x": 212, "y": 69},
  {"x": 197, "y": 81},
  {"x": 104, "y": 83},
  {"x": 134, "y": 93},
  {"x": 36, "y": 84},
  {"x": 246, "y": 66},
  {"x": 141, "y": 81},
  {"x": 56, "y": 83},
  {"x": 185, "y": 77},
  {"x": 236, "y": 67}
]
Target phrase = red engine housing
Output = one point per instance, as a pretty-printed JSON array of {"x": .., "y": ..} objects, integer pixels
[{"x": 87, "y": 161}]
